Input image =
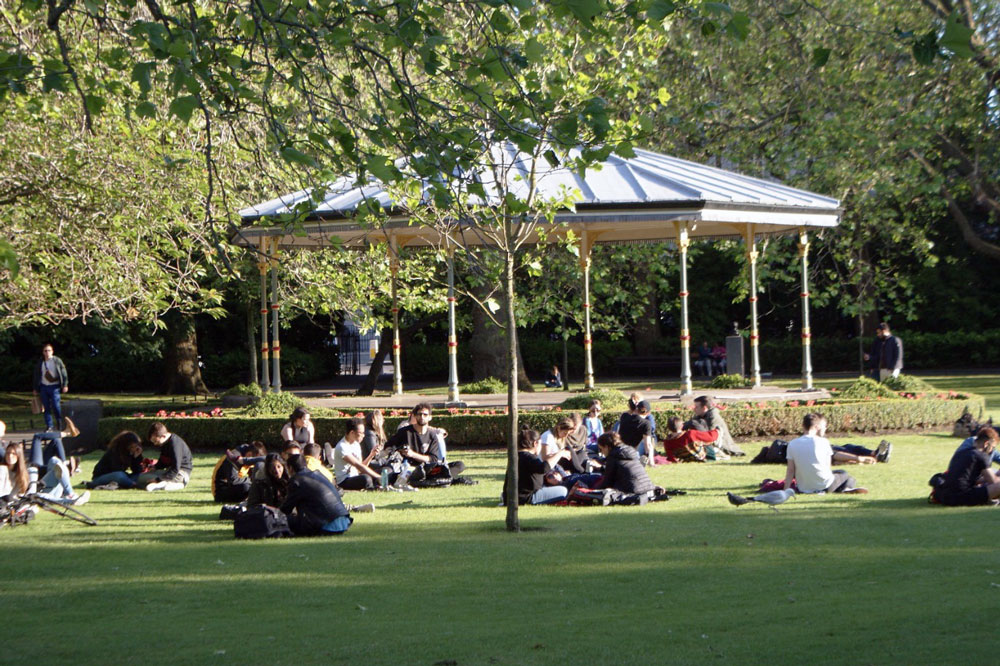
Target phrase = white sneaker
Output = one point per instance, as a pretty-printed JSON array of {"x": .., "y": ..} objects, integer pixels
[
  {"x": 158, "y": 485},
  {"x": 407, "y": 488},
  {"x": 364, "y": 508},
  {"x": 82, "y": 499}
]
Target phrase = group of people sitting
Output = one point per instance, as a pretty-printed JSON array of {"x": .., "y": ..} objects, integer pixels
[
  {"x": 710, "y": 359},
  {"x": 45, "y": 469}
]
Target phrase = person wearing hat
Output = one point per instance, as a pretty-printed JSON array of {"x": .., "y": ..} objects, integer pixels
[{"x": 886, "y": 356}]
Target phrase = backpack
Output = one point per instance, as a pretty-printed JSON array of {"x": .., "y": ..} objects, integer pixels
[
  {"x": 776, "y": 454},
  {"x": 261, "y": 522},
  {"x": 431, "y": 475},
  {"x": 935, "y": 483}
]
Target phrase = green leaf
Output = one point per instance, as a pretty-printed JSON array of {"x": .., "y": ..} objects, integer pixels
[
  {"x": 719, "y": 8},
  {"x": 54, "y": 81},
  {"x": 660, "y": 9},
  {"x": 739, "y": 26},
  {"x": 145, "y": 110},
  {"x": 534, "y": 51},
  {"x": 585, "y": 10},
  {"x": 183, "y": 107},
  {"x": 8, "y": 258},
  {"x": 708, "y": 28},
  {"x": 925, "y": 48},
  {"x": 662, "y": 96},
  {"x": 820, "y": 56},
  {"x": 520, "y": 5},
  {"x": 179, "y": 48},
  {"x": 294, "y": 156},
  {"x": 140, "y": 75},
  {"x": 381, "y": 168},
  {"x": 956, "y": 36},
  {"x": 95, "y": 103}
]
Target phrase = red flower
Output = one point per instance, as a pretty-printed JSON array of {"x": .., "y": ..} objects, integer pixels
[
  {"x": 810, "y": 403},
  {"x": 793, "y": 403}
]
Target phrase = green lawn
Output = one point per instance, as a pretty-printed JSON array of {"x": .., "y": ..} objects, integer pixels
[{"x": 432, "y": 577}]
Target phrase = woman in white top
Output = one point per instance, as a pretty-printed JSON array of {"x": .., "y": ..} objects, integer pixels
[
  {"x": 299, "y": 427},
  {"x": 554, "y": 440},
  {"x": 351, "y": 470}
]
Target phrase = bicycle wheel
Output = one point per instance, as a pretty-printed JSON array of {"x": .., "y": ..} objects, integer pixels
[{"x": 64, "y": 510}]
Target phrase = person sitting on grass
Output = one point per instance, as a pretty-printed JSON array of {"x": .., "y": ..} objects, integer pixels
[
  {"x": 532, "y": 467},
  {"x": 292, "y": 448},
  {"x": 55, "y": 485},
  {"x": 422, "y": 446},
  {"x": 708, "y": 417},
  {"x": 374, "y": 432},
  {"x": 311, "y": 453},
  {"x": 41, "y": 454},
  {"x": 233, "y": 473},
  {"x": 595, "y": 428},
  {"x": 638, "y": 431},
  {"x": 970, "y": 481},
  {"x": 173, "y": 470},
  {"x": 622, "y": 469},
  {"x": 121, "y": 464},
  {"x": 809, "y": 459},
  {"x": 351, "y": 469},
  {"x": 554, "y": 378},
  {"x": 299, "y": 427},
  {"x": 270, "y": 483},
  {"x": 970, "y": 443},
  {"x": 313, "y": 505},
  {"x": 684, "y": 445}
]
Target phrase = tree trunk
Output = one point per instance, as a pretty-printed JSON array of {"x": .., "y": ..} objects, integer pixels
[
  {"x": 488, "y": 348},
  {"x": 252, "y": 347},
  {"x": 375, "y": 371},
  {"x": 647, "y": 328},
  {"x": 181, "y": 373},
  {"x": 513, "y": 523}
]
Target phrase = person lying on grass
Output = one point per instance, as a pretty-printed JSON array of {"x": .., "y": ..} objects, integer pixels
[
  {"x": 970, "y": 481},
  {"x": 55, "y": 485},
  {"x": 121, "y": 464},
  {"x": 313, "y": 505},
  {"x": 532, "y": 467},
  {"x": 687, "y": 444},
  {"x": 809, "y": 462},
  {"x": 173, "y": 470}
]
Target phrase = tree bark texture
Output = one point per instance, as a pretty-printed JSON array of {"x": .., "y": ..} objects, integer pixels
[
  {"x": 488, "y": 348},
  {"x": 512, "y": 521},
  {"x": 181, "y": 373},
  {"x": 253, "y": 347}
]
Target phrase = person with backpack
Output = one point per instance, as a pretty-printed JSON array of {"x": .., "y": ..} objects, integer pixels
[
  {"x": 970, "y": 480},
  {"x": 313, "y": 505}
]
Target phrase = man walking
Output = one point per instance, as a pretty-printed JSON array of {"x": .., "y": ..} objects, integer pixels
[
  {"x": 49, "y": 382},
  {"x": 886, "y": 355}
]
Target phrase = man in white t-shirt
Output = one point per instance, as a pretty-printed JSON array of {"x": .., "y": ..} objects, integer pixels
[
  {"x": 809, "y": 458},
  {"x": 350, "y": 467}
]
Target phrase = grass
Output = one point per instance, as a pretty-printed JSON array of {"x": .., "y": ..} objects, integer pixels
[{"x": 432, "y": 577}]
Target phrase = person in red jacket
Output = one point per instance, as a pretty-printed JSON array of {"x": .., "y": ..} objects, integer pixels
[{"x": 684, "y": 444}]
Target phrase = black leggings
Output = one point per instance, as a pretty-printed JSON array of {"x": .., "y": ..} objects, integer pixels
[{"x": 359, "y": 482}]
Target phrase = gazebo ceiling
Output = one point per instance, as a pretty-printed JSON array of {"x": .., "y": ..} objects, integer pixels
[{"x": 638, "y": 199}]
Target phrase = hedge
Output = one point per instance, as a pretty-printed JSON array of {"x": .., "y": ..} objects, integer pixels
[{"x": 486, "y": 430}]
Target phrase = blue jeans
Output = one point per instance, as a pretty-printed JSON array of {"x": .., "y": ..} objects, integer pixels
[
  {"x": 39, "y": 455},
  {"x": 123, "y": 479},
  {"x": 549, "y": 495},
  {"x": 51, "y": 401},
  {"x": 57, "y": 487},
  {"x": 586, "y": 479}
]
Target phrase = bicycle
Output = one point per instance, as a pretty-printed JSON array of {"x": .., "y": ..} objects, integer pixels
[{"x": 18, "y": 511}]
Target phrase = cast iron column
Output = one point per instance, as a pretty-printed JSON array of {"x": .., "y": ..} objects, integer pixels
[
  {"x": 683, "y": 241},
  {"x": 751, "y": 240},
  {"x": 452, "y": 337},
  {"x": 275, "y": 344},
  {"x": 807, "y": 370}
]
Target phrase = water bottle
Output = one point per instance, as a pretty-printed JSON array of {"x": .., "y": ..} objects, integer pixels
[{"x": 384, "y": 484}]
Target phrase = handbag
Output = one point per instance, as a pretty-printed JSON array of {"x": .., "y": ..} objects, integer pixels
[{"x": 36, "y": 405}]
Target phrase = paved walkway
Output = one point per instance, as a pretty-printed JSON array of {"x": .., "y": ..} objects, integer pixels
[{"x": 543, "y": 399}]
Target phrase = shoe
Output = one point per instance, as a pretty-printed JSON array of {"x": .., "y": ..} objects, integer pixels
[
  {"x": 406, "y": 489},
  {"x": 110, "y": 485},
  {"x": 856, "y": 491},
  {"x": 364, "y": 508},
  {"x": 80, "y": 500},
  {"x": 71, "y": 429},
  {"x": 883, "y": 451},
  {"x": 737, "y": 500},
  {"x": 158, "y": 485}
]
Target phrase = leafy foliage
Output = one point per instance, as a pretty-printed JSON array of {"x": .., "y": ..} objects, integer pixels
[
  {"x": 909, "y": 384},
  {"x": 488, "y": 385},
  {"x": 865, "y": 388},
  {"x": 252, "y": 390},
  {"x": 611, "y": 400},
  {"x": 271, "y": 404},
  {"x": 730, "y": 381}
]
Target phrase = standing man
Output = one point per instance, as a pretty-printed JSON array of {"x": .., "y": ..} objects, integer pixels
[
  {"x": 49, "y": 382},
  {"x": 886, "y": 356},
  {"x": 809, "y": 458}
]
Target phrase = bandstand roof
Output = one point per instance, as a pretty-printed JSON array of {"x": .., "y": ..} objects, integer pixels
[{"x": 637, "y": 199}]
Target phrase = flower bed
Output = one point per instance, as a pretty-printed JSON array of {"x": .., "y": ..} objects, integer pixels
[{"x": 486, "y": 427}]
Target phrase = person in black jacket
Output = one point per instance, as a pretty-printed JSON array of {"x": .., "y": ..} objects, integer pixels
[
  {"x": 233, "y": 474},
  {"x": 121, "y": 463},
  {"x": 173, "y": 470},
  {"x": 318, "y": 509},
  {"x": 622, "y": 469},
  {"x": 270, "y": 484},
  {"x": 423, "y": 446},
  {"x": 970, "y": 480},
  {"x": 531, "y": 471}
]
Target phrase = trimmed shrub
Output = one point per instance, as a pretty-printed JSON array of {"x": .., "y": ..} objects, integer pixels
[
  {"x": 275, "y": 404},
  {"x": 252, "y": 390},
  {"x": 866, "y": 387},
  {"x": 488, "y": 385},
  {"x": 730, "y": 381},
  {"x": 487, "y": 428},
  {"x": 909, "y": 384},
  {"x": 610, "y": 399}
]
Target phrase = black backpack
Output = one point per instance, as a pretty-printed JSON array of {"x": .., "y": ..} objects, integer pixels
[
  {"x": 261, "y": 522},
  {"x": 775, "y": 454}
]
